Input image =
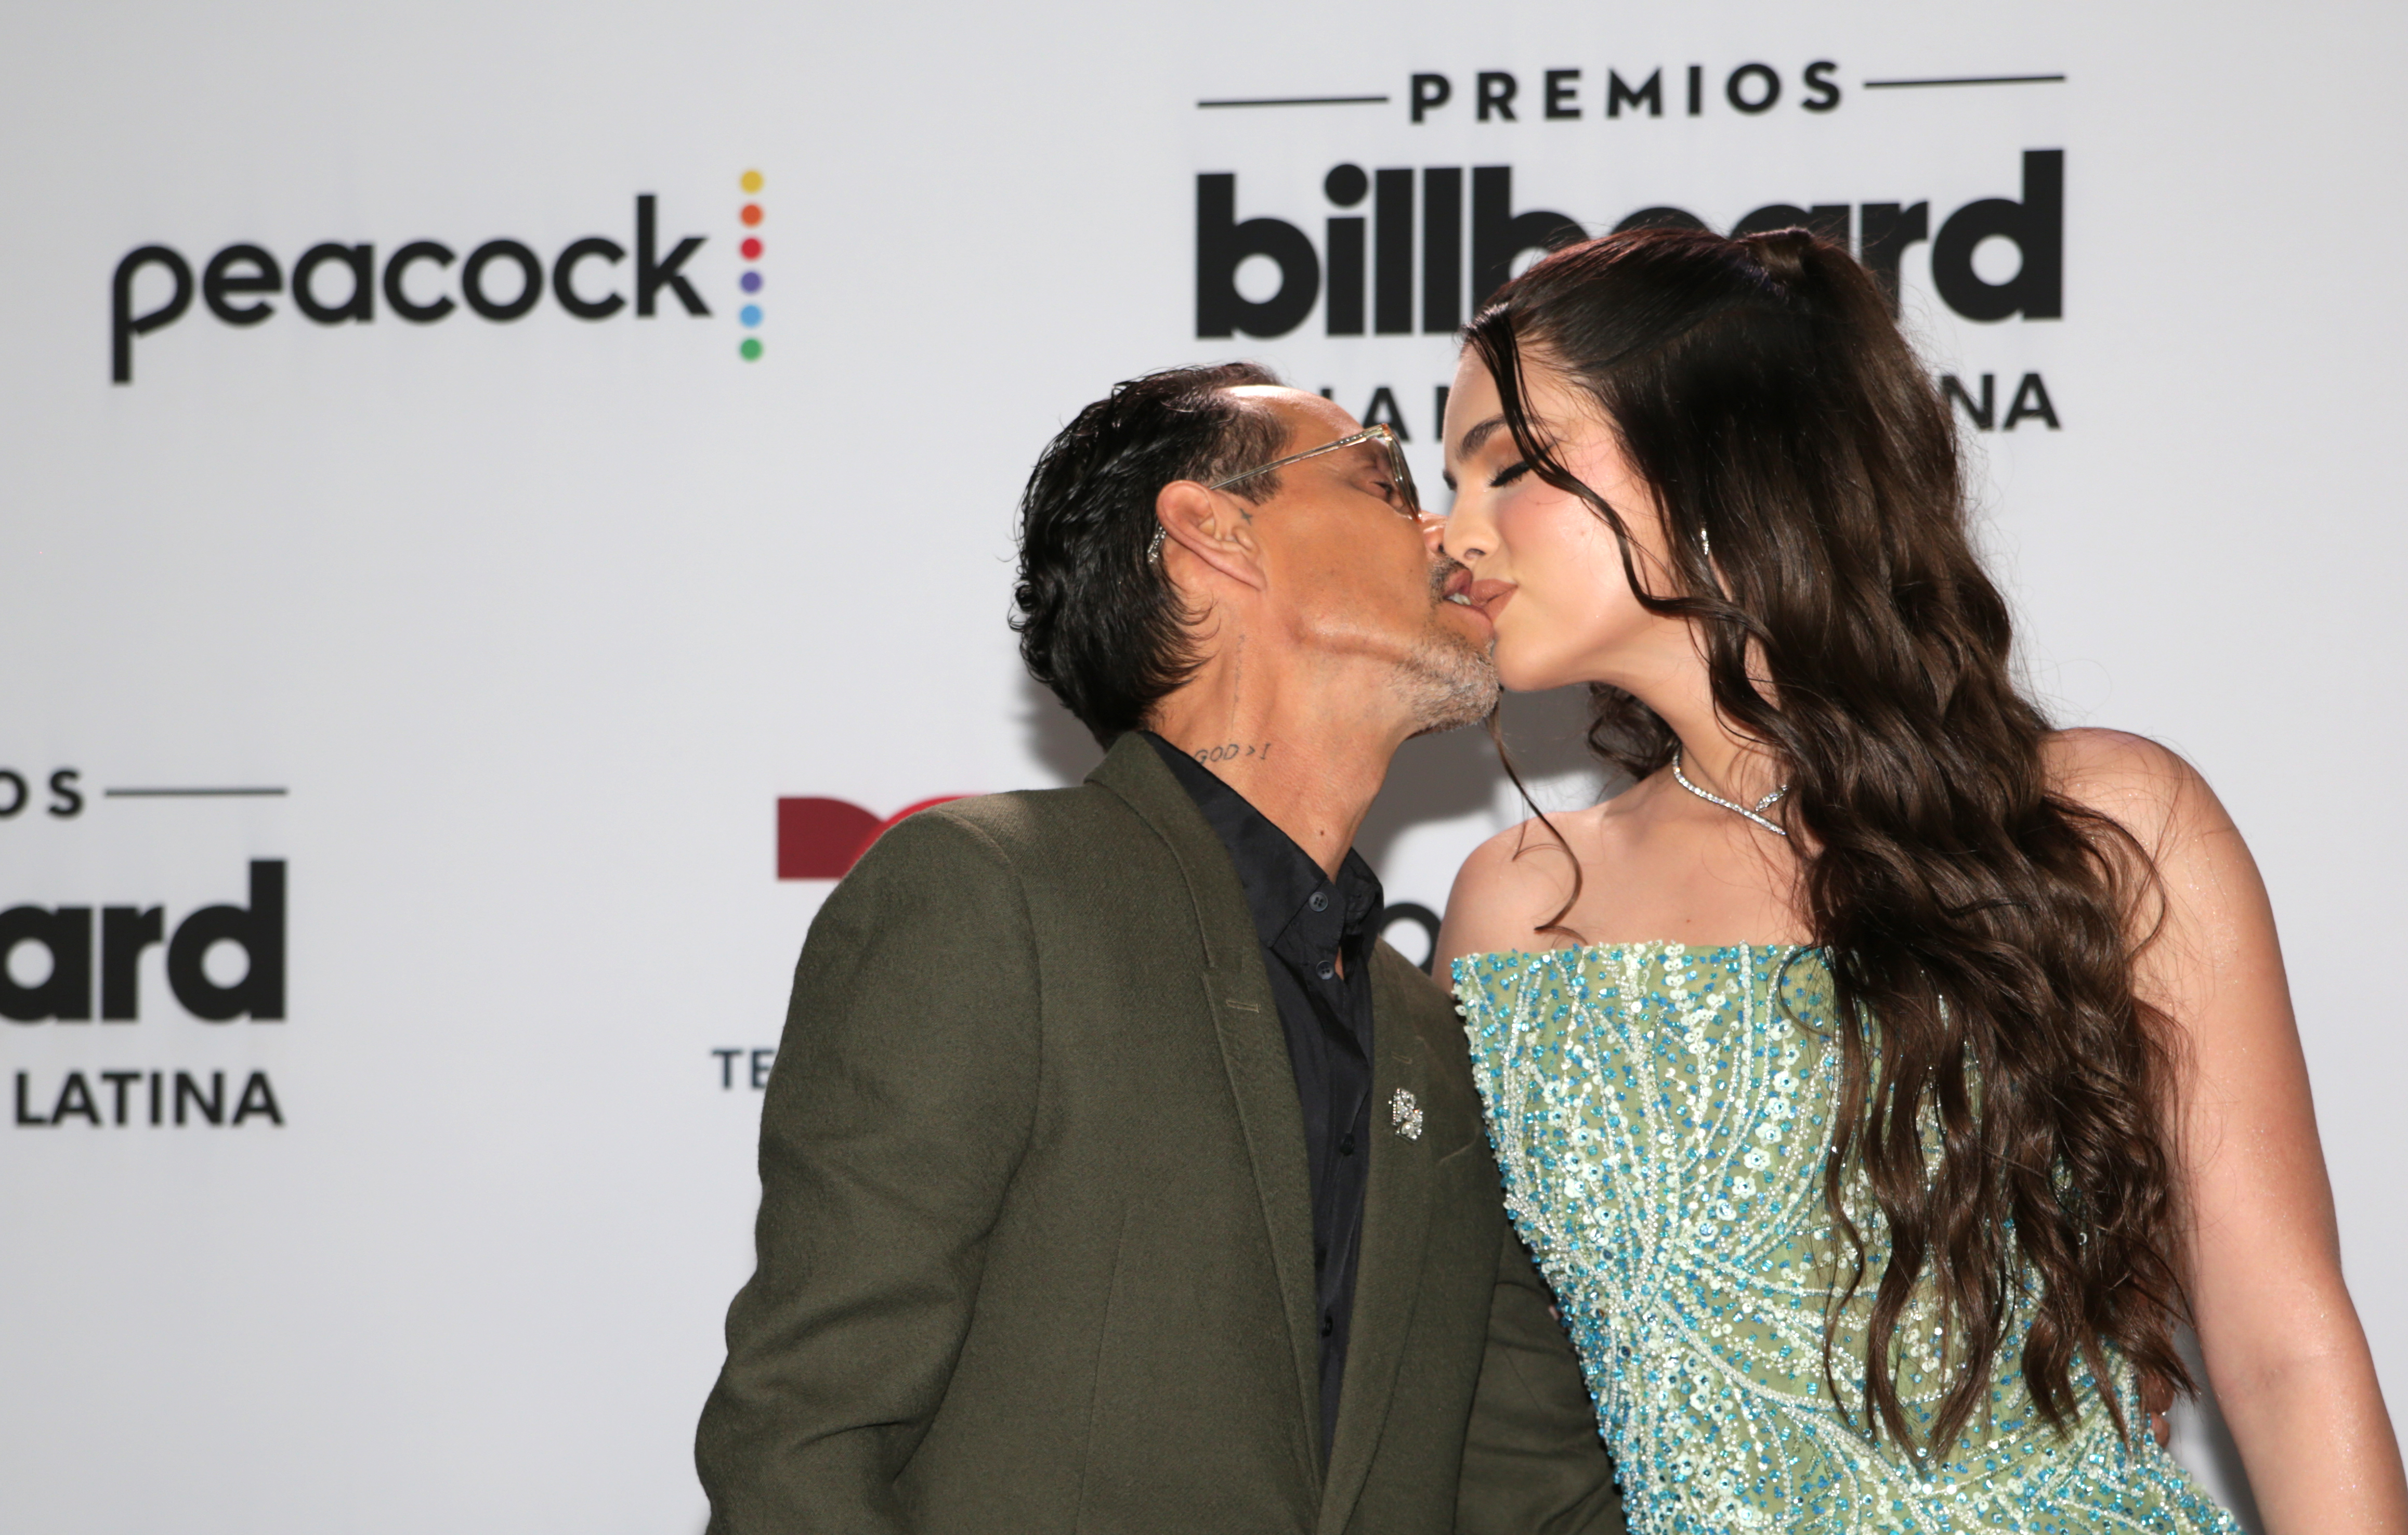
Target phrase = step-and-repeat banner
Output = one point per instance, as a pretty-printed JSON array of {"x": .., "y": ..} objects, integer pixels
[{"x": 504, "y": 501}]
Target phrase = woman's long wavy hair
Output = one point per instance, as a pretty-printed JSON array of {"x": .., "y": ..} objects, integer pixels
[{"x": 1805, "y": 470}]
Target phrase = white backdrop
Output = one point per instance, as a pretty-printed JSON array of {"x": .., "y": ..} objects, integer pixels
[{"x": 536, "y": 620}]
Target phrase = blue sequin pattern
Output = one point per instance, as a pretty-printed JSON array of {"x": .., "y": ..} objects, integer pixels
[{"x": 1661, "y": 1116}]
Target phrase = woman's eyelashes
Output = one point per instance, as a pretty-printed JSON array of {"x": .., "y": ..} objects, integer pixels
[{"x": 1509, "y": 474}]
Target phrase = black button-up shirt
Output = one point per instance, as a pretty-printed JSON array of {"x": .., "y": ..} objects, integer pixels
[{"x": 1317, "y": 936}]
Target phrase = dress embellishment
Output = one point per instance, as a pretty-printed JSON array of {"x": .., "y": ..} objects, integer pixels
[{"x": 1660, "y": 1115}]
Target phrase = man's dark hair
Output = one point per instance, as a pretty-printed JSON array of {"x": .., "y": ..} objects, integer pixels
[{"x": 1098, "y": 623}]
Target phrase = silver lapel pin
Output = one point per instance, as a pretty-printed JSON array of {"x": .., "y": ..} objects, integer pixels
[{"x": 1405, "y": 1115}]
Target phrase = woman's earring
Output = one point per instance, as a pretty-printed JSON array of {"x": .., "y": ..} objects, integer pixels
[
  {"x": 1706, "y": 544},
  {"x": 1153, "y": 549}
]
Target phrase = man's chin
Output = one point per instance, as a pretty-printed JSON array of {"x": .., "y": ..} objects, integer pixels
[
  {"x": 1453, "y": 683},
  {"x": 1442, "y": 727}
]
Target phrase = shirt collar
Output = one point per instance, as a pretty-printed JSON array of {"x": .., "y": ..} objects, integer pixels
[{"x": 1280, "y": 881}]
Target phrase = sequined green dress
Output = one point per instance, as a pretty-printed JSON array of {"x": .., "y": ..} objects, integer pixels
[{"x": 1661, "y": 1119}]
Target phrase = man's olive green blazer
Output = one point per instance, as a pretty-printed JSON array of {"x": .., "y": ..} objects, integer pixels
[{"x": 1036, "y": 1245}]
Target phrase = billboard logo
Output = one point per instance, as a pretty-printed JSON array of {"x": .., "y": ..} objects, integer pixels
[
  {"x": 66, "y": 993},
  {"x": 1362, "y": 273},
  {"x": 1751, "y": 90},
  {"x": 122, "y": 1091}
]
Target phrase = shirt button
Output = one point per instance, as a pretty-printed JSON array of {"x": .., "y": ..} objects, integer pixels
[
  {"x": 1328, "y": 970},
  {"x": 1346, "y": 1144},
  {"x": 1320, "y": 901},
  {"x": 1328, "y": 1325}
]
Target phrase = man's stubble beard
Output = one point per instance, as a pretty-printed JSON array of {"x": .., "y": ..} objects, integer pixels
[{"x": 1450, "y": 679}]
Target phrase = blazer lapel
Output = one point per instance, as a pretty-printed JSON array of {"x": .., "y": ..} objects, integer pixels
[
  {"x": 1396, "y": 1216},
  {"x": 1253, "y": 1048},
  {"x": 1255, "y": 1052}
]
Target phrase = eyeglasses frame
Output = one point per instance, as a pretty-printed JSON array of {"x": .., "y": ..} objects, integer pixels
[
  {"x": 1400, "y": 473},
  {"x": 1382, "y": 433}
]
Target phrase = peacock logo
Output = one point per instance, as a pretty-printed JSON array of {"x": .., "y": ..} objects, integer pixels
[{"x": 425, "y": 283}]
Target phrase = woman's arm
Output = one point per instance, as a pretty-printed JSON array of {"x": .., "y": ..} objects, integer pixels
[{"x": 2284, "y": 1348}]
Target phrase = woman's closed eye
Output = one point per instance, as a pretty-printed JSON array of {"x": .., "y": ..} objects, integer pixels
[{"x": 1509, "y": 474}]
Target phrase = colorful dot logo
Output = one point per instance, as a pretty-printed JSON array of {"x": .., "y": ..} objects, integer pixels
[{"x": 751, "y": 282}]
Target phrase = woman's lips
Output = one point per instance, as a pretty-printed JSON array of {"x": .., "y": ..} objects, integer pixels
[{"x": 1490, "y": 597}]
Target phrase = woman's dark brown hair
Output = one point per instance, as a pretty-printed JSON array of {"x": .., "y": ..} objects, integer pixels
[{"x": 1984, "y": 923}]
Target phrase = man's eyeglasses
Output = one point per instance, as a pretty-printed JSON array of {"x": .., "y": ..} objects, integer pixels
[{"x": 1407, "y": 502}]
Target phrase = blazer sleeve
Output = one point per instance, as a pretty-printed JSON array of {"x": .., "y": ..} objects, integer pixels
[
  {"x": 900, "y": 1105},
  {"x": 1533, "y": 1463}
]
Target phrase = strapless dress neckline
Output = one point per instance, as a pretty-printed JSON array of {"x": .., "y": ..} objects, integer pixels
[{"x": 1661, "y": 1112}]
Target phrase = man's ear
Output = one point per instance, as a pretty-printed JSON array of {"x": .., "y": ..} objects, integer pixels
[{"x": 1211, "y": 528}]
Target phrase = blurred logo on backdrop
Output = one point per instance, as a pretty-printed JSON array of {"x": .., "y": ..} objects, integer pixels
[
  {"x": 823, "y": 839},
  {"x": 819, "y": 839},
  {"x": 425, "y": 282}
]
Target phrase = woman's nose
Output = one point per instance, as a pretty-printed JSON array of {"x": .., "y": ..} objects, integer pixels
[{"x": 1464, "y": 535}]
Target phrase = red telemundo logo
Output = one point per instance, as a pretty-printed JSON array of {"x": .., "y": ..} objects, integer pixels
[{"x": 823, "y": 839}]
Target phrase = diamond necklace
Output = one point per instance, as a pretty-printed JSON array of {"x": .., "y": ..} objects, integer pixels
[{"x": 1756, "y": 815}]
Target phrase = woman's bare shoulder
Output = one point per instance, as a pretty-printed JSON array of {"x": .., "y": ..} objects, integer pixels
[
  {"x": 1529, "y": 857},
  {"x": 2143, "y": 785},
  {"x": 1512, "y": 885}
]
